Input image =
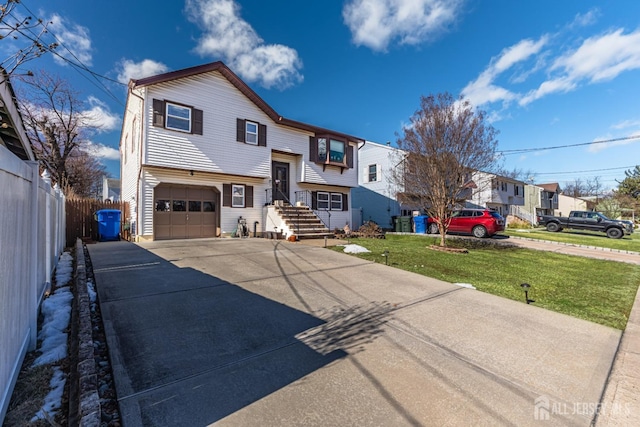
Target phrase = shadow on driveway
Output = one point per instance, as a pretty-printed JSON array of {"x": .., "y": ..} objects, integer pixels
[{"x": 188, "y": 348}]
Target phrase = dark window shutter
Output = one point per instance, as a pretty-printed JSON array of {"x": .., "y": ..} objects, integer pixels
[
  {"x": 349, "y": 156},
  {"x": 262, "y": 135},
  {"x": 240, "y": 130},
  {"x": 345, "y": 202},
  {"x": 158, "y": 112},
  {"x": 196, "y": 126},
  {"x": 313, "y": 149},
  {"x": 226, "y": 194},
  {"x": 248, "y": 196},
  {"x": 314, "y": 200}
]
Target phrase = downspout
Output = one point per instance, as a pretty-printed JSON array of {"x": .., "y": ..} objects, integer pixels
[{"x": 139, "y": 160}]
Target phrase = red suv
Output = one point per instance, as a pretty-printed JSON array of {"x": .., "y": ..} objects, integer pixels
[{"x": 479, "y": 222}]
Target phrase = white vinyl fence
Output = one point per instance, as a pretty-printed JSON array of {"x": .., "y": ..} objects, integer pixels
[{"x": 32, "y": 236}]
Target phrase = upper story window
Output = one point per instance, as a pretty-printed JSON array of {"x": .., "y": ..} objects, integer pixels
[
  {"x": 174, "y": 116},
  {"x": 503, "y": 186},
  {"x": 336, "y": 151},
  {"x": 373, "y": 173},
  {"x": 251, "y": 136},
  {"x": 250, "y": 132},
  {"x": 330, "y": 151},
  {"x": 178, "y": 117}
]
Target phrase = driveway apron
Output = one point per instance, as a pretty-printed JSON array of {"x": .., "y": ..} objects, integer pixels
[{"x": 256, "y": 332}]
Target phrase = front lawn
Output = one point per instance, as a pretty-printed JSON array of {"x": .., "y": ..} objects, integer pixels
[
  {"x": 590, "y": 289},
  {"x": 579, "y": 237}
]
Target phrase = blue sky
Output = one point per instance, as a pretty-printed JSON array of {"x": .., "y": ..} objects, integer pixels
[{"x": 548, "y": 73}]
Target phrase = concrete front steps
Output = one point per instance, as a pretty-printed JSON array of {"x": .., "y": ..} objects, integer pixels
[{"x": 303, "y": 222}]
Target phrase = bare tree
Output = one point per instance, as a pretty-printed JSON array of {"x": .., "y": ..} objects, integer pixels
[
  {"x": 59, "y": 131},
  {"x": 580, "y": 188},
  {"x": 445, "y": 143},
  {"x": 25, "y": 31}
]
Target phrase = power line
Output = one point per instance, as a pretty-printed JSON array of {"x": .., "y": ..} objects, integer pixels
[
  {"x": 529, "y": 150},
  {"x": 79, "y": 65},
  {"x": 584, "y": 171}
]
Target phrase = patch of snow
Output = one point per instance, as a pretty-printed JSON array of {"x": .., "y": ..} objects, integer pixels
[
  {"x": 56, "y": 312},
  {"x": 355, "y": 249},
  {"x": 465, "y": 285},
  {"x": 64, "y": 269},
  {"x": 91, "y": 290},
  {"x": 53, "y": 400}
]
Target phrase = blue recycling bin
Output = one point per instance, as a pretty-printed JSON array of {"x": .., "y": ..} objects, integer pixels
[
  {"x": 108, "y": 224},
  {"x": 420, "y": 224}
]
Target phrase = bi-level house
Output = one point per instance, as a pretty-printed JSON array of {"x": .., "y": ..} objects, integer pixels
[
  {"x": 201, "y": 152},
  {"x": 497, "y": 192},
  {"x": 375, "y": 199}
]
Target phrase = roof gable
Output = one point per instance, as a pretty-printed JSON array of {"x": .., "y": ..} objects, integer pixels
[{"x": 242, "y": 87}]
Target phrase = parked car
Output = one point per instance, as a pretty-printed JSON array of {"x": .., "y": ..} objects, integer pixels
[
  {"x": 479, "y": 222},
  {"x": 587, "y": 220}
]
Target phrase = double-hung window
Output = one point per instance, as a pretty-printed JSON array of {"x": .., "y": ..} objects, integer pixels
[
  {"x": 336, "y": 201},
  {"x": 323, "y": 201},
  {"x": 373, "y": 173},
  {"x": 237, "y": 196},
  {"x": 174, "y": 116},
  {"x": 251, "y": 133},
  {"x": 178, "y": 117}
]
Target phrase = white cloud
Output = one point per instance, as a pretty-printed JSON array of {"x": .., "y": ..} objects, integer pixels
[
  {"x": 596, "y": 148},
  {"x": 137, "y": 70},
  {"x": 585, "y": 19},
  {"x": 228, "y": 37},
  {"x": 74, "y": 38},
  {"x": 483, "y": 90},
  {"x": 98, "y": 115},
  {"x": 602, "y": 58},
  {"x": 101, "y": 151},
  {"x": 378, "y": 23},
  {"x": 625, "y": 124}
]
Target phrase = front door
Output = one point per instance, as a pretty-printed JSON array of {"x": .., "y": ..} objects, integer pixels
[{"x": 280, "y": 181}]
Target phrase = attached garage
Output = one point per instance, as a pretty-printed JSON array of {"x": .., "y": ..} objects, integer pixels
[{"x": 185, "y": 212}]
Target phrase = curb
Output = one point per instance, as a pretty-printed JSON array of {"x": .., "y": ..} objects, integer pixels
[
  {"x": 84, "y": 376},
  {"x": 599, "y": 248}
]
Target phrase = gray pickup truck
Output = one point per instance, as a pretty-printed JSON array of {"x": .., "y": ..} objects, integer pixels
[{"x": 587, "y": 220}]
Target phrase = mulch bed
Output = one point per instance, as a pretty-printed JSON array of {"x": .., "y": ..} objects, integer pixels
[{"x": 450, "y": 250}]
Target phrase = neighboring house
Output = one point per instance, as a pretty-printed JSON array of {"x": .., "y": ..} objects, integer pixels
[
  {"x": 496, "y": 192},
  {"x": 548, "y": 198},
  {"x": 375, "y": 198},
  {"x": 567, "y": 204},
  {"x": 32, "y": 233},
  {"x": 200, "y": 150},
  {"x": 110, "y": 189}
]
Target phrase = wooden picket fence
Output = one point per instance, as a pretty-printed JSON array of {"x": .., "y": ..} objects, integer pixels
[{"x": 81, "y": 221}]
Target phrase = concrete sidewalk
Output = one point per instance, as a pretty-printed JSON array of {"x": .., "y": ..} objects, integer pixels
[{"x": 263, "y": 332}]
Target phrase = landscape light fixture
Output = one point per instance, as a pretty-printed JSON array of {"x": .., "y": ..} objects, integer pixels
[
  {"x": 525, "y": 288},
  {"x": 385, "y": 254}
]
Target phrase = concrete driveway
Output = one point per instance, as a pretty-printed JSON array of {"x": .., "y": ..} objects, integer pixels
[{"x": 271, "y": 333}]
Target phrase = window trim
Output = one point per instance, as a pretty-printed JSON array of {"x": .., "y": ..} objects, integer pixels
[
  {"x": 320, "y": 151},
  {"x": 233, "y": 196},
  {"x": 327, "y": 200},
  {"x": 189, "y": 120},
  {"x": 375, "y": 173},
  {"x": 247, "y": 133},
  {"x": 333, "y": 200}
]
